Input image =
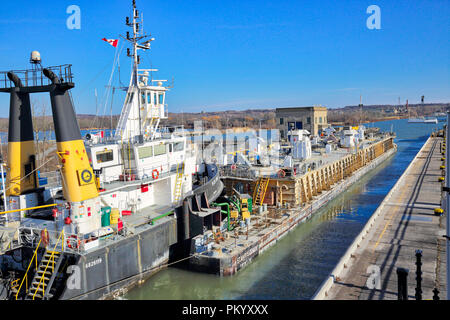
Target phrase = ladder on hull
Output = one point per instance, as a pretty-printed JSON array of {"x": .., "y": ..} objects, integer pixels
[
  {"x": 259, "y": 192},
  {"x": 178, "y": 183}
]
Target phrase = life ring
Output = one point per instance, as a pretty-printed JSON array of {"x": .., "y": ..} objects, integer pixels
[
  {"x": 155, "y": 174},
  {"x": 69, "y": 241},
  {"x": 281, "y": 173},
  {"x": 44, "y": 237}
]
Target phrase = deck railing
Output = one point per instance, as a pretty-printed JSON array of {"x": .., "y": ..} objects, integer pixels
[{"x": 36, "y": 77}]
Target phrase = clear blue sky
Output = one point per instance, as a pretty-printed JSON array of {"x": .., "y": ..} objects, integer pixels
[{"x": 239, "y": 54}]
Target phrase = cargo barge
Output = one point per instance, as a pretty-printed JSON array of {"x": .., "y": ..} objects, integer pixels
[{"x": 297, "y": 198}]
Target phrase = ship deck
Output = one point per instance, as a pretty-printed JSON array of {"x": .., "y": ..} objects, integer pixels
[{"x": 140, "y": 221}]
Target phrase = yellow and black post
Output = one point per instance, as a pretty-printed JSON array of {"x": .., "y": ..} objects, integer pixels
[
  {"x": 78, "y": 177},
  {"x": 21, "y": 176}
]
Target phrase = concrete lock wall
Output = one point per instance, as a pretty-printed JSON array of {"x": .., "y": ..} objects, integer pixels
[{"x": 322, "y": 291}]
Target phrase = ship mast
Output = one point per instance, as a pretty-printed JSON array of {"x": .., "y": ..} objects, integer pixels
[
  {"x": 137, "y": 21},
  {"x": 144, "y": 106}
]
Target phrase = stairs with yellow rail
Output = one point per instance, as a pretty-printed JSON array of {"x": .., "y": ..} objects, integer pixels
[
  {"x": 259, "y": 192},
  {"x": 44, "y": 276}
]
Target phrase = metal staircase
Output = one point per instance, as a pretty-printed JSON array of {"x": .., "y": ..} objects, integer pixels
[
  {"x": 44, "y": 276},
  {"x": 44, "y": 273},
  {"x": 178, "y": 182},
  {"x": 259, "y": 192}
]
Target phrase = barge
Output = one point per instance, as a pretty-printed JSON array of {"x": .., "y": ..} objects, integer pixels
[{"x": 296, "y": 199}]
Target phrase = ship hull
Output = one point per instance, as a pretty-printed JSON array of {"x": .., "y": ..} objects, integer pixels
[{"x": 108, "y": 271}]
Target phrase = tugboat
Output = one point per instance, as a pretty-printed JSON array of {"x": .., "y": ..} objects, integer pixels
[{"x": 126, "y": 204}]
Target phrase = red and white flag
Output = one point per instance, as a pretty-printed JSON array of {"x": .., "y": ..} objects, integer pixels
[{"x": 112, "y": 42}]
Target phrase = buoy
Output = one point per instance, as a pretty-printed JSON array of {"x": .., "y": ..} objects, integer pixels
[
  {"x": 438, "y": 211},
  {"x": 442, "y": 167},
  {"x": 442, "y": 159},
  {"x": 441, "y": 178}
]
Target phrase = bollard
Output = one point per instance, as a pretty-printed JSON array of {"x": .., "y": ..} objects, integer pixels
[
  {"x": 402, "y": 276},
  {"x": 419, "y": 275},
  {"x": 435, "y": 294}
]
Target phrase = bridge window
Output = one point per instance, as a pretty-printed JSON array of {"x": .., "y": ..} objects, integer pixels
[
  {"x": 143, "y": 98},
  {"x": 145, "y": 152},
  {"x": 104, "y": 156},
  {"x": 161, "y": 96},
  {"x": 159, "y": 149},
  {"x": 179, "y": 146}
]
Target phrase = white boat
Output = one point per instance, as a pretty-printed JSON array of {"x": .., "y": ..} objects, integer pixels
[{"x": 422, "y": 120}]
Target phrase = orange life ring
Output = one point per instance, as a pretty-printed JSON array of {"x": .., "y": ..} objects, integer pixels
[
  {"x": 281, "y": 173},
  {"x": 155, "y": 174},
  {"x": 44, "y": 237},
  {"x": 77, "y": 241}
]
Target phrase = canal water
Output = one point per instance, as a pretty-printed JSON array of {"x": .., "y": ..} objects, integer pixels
[{"x": 298, "y": 264}]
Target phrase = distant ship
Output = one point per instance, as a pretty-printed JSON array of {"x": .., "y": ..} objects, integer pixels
[{"x": 423, "y": 120}]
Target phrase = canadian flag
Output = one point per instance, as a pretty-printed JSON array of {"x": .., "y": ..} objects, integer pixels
[{"x": 112, "y": 42}]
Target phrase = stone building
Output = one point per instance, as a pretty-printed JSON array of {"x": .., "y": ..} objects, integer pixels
[{"x": 313, "y": 119}]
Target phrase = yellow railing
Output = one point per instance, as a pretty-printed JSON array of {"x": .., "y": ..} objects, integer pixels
[
  {"x": 178, "y": 181},
  {"x": 52, "y": 260},
  {"x": 15, "y": 283},
  {"x": 25, "y": 278},
  {"x": 30, "y": 208}
]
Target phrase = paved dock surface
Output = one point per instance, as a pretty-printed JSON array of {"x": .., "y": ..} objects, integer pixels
[{"x": 406, "y": 223}]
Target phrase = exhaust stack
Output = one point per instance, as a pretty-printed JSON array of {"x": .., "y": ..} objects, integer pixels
[
  {"x": 21, "y": 159},
  {"x": 78, "y": 177}
]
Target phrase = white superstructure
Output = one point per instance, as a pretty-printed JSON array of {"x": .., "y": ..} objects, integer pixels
[{"x": 143, "y": 165}]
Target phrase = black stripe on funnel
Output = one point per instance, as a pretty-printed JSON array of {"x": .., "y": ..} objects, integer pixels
[
  {"x": 64, "y": 118},
  {"x": 20, "y": 118}
]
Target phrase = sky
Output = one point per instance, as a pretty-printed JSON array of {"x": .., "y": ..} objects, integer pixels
[{"x": 241, "y": 54}]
